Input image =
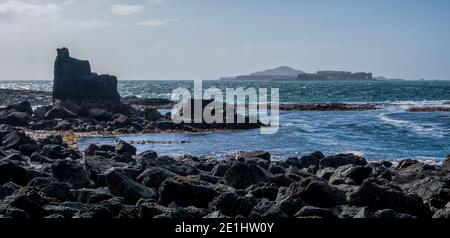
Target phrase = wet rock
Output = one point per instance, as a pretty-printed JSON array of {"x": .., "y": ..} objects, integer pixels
[
  {"x": 350, "y": 174},
  {"x": 146, "y": 157},
  {"x": 254, "y": 154},
  {"x": 123, "y": 147},
  {"x": 315, "y": 212},
  {"x": 316, "y": 192},
  {"x": 221, "y": 168},
  {"x": 38, "y": 158},
  {"x": 9, "y": 211},
  {"x": 72, "y": 172},
  {"x": 435, "y": 191},
  {"x": 14, "y": 157},
  {"x": 326, "y": 173},
  {"x": 121, "y": 186},
  {"x": 380, "y": 194},
  {"x": 63, "y": 125},
  {"x": 341, "y": 160},
  {"x": 186, "y": 192},
  {"x": 121, "y": 121},
  {"x": 230, "y": 204},
  {"x": 241, "y": 176},
  {"x": 12, "y": 172},
  {"x": 446, "y": 164},
  {"x": 293, "y": 161},
  {"x": 311, "y": 160},
  {"x": 178, "y": 167}
]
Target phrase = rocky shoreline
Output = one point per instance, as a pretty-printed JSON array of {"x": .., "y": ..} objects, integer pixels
[{"x": 47, "y": 178}]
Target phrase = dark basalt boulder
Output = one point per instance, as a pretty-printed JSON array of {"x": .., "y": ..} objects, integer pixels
[
  {"x": 186, "y": 192},
  {"x": 336, "y": 161},
  {"x": 12, "y": 172},
  {"x": 316, "y": 192},
  {"x": 155, "y": 176},
  {"x": 15, "y": 139},
  {"x": 311, "y": 160},
  {"x": 59, "y": 112},
  {"x": 243, "y": 175},
  {"x": 32, "y": 201},
  {"x": 72, "y": 172},
  {"x": 125, "y": 148},
  {"x": 381, "y": 194},
  {"x": 15, "y": 118},
  {"x": 266, "y": 209},
  {"x": 74, "y": 81},
  {"x": 350, "y": 174},
  {"x": 24, "y": 106},
  {"x": 121, "y": 186},
  {"x": 53, "y": 188},
  {"x": 8, "y": 189},
  {"x": 231, "y": 204},
  {"x": 315, "y": 212},
  {"x": 446, "y": 164}
]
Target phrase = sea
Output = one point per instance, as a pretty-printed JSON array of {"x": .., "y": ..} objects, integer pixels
[{"x": 391, "y": 133}]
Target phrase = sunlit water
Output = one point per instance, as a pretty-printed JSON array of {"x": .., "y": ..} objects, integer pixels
[{"x": 390, "y": 133}]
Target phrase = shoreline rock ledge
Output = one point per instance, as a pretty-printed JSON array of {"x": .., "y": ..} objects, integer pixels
[{"x": 74, "y": 81}]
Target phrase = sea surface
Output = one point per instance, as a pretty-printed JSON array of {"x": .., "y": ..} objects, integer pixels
[{"x": 391, "y": 133}]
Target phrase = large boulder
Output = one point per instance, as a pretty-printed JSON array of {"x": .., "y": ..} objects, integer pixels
[
  {"x": 14, "y": 139},
  {"x": 121, "y": 186},
  {"x": 186, "y": 192},
  {"x": 231, "y": 204},
  {"x": 336, "y": 161},
  {"x": 125, "y": 148},
  {"x": 59, "y": 112},
  {"x": 12, "y": 172},
  {"x": 350, "y": 174},
  {"x": 74, "y": 81},
  {"x": 381, "y": 194},
  {"x": 24, "y": 106},
  {"x": 316, "y": 192},
  {"x": 243, "y": 175},
  {"x": 72, "y": 172},
  {"x": 15, "y": 118}
]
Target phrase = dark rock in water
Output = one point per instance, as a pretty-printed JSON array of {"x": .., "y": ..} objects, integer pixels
[
  {"x": 380, "y": 194},
  {"x": 350, "y": 174},
  {"x": 231, "y": 204},
  {"x": 74, "y": 81},
  {"x": 60, "y": 112},
  {"x": 241, "y": 176},
  {"x": 8, "y": 189},
  {"x": 11, "y": 172},
  {"x": 341, "y": 160},
  {"x": 72, "y": 172},
  {"x": 15, "y": 118},
  {"x": 316, "y": 192},
  {"x": 14, "y": 139},
  {"x": 186, "y": 192},
  {"x": 122, "y": 186},
  {"x": 125, "y": 148},
  {"x": 311, "y": 160},
  {"x": 21, "y": 107},
  {"x": 53, "y": 188},
  {"x": 255, "y": 154},
  {"x": 315, "y": 212}
]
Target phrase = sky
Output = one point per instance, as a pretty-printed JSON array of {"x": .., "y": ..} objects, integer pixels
[{"x": 208, "y": 39}]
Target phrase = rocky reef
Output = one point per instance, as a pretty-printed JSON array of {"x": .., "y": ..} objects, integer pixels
[{"x": 47, "y": 178}]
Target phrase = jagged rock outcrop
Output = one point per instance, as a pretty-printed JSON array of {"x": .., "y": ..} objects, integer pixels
[{"x": 74, "y": 81}]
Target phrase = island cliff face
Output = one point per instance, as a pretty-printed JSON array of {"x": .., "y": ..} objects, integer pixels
[{"x": 74, "y": 81}]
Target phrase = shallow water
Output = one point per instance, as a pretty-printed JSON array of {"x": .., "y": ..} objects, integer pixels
[{"x": 390, "y": 133}]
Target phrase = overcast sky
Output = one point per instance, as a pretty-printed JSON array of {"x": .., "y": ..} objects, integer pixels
[{"x": 207, "y": 39}]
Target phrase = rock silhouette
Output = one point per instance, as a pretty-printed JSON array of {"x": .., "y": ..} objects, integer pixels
[{"x": 74, "y": 81}]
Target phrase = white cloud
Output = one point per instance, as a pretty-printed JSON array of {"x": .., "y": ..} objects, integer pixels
[
  {"x": 152, "y": 23},
  {"x": 24, "y": 11},
  {"x": 125, "y": 10}
]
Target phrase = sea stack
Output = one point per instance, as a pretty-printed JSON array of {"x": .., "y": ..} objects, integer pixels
[{"x": 74, "y": 82}]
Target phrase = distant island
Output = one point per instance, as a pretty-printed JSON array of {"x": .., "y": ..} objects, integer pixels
[{"x": 288, "y": 73}]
